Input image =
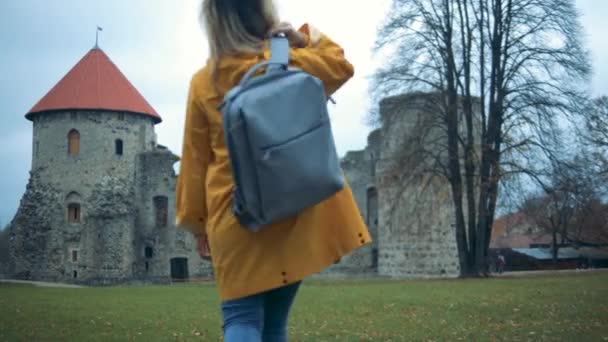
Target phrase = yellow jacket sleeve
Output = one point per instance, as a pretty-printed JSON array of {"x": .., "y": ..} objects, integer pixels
[
  {"x": 322, "y": 58},
  {"x": 191, "y": 202}
]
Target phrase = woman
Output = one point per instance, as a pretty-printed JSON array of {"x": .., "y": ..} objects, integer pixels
[{"x": 257, "y": 274}]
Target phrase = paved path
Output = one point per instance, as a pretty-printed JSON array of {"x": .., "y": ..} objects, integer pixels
[
  {"x": 522, "y": 274},
  {"x": 39, "y": 283}
]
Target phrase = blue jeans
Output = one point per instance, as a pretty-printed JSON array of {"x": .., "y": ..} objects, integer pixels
[{"x": 261, "y": 317}]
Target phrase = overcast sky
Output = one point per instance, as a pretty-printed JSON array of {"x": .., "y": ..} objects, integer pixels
[{"x": 158, "y": 45}]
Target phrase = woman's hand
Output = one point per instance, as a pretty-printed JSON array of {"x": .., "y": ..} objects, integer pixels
[
  {"x": 296, "y": 39},
  {"x": 202, "y": 246}
]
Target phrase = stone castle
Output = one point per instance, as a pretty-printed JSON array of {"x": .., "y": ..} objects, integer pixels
[{"x": 99, "y": 205}]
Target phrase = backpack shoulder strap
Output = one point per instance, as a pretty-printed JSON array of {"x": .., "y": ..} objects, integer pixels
[{"x": 279, "y": 58}]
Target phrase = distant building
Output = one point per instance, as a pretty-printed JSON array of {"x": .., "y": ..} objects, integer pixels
[
  {"x": 528, "y": 247},
  {"x": 518, "y": 231},
  {"x": 99, "y": 205}
]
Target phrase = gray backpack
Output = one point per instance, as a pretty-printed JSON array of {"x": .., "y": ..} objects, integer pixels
[{"x": 279, "y": 141}]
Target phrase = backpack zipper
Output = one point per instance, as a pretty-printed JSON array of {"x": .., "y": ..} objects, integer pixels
[{"x": 314, "y": 128}]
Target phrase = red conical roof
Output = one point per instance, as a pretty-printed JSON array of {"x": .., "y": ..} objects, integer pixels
[{"x": 94, "y": 83}]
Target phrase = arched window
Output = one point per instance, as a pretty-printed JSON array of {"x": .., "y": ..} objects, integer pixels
[
  {"x": 73, "y": 143},
  {"x": 74, "y": 213},
  {"x": 160, "y": 210},
  {"x": 118, "y": 147},
  {"x": 74, "y": 255},
  {"x": 72, "y": 201}
]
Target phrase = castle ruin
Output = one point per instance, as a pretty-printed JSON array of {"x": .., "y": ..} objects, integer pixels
[
  {"x": 99, "y": 207},
  {"x": 410, "y": 218}
]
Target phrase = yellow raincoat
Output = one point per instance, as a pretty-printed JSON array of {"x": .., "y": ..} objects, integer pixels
[{"x": 244, "y": 262}]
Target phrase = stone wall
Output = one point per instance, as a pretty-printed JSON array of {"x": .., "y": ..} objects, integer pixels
[
  {"x": 359, "y": 169},
  {"x": 44, "y": 240},
  {"x": 356, "y": 166},
  {"x": 417, "y": 237},
  {"x": 98, "y": 132},
  {"x": 157, "y": 178},
  {"x": 35, "y": 248},
  {"x": 410, "y": 218}
]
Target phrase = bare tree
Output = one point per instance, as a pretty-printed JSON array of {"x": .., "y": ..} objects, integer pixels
[
  {"x": 553, "y": 210},
  {"x": 552, "y": 213},
  {"x": 591, "y": 224},
  {"x": 503, "y": 73},
  {"x": 569, "y": 205},
  {"x": 588, "y": 189},
  {"x": 598, "y": 121}
]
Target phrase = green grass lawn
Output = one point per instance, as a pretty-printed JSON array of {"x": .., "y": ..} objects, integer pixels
[{"x": 566, "y": 308}]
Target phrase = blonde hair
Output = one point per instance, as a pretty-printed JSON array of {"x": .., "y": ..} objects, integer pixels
[{"x": 236, "y": 26}]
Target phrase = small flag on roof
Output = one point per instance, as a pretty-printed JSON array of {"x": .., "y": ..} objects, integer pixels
[{"x": 97, "y": 36}]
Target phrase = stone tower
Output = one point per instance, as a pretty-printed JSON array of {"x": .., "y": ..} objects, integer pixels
[
  {"x": 409, "y": 217},
  {"x": 99, "y": 205},
  {"x": 416, "y": 216}
]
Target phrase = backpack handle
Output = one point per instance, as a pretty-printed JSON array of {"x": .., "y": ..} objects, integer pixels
[
  {"x": 279, "y": 57},
  {"x": 279, "y": 50}
]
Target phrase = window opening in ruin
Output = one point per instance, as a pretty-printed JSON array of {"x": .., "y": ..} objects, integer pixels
[
  {"x": 372, "y": 207},
  {"x": 75, "y": 274},
  {"x": 37, "y": 147},
  {"x": 160, "y": 210},
  {"x": 373, "y": 164},
  {"x": 118, "y": 147},
  {"x": 74, "y": 255},
  {"x": 147, "y": 266},
  {"x": 73, "y": 143},
  {"x": 73, "y": 213},
  {"x": 374, "y": 257},
  {"x": 148, "y": 252}
]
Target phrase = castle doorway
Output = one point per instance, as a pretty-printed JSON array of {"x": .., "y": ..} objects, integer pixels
[{"x": 179, "y": 268}]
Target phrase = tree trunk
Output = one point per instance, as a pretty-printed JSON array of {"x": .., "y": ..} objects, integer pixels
[
  {"x": 467, "y": 98},
  {"x": 554, "y": 247},
  {"x": 455, "y": 178}
]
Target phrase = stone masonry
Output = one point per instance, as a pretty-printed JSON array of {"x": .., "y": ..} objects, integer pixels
[
  {"x": 410, "y": 221},
  {"x": 99, "y": 207},
  {"x": 125, "y": 231}
]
